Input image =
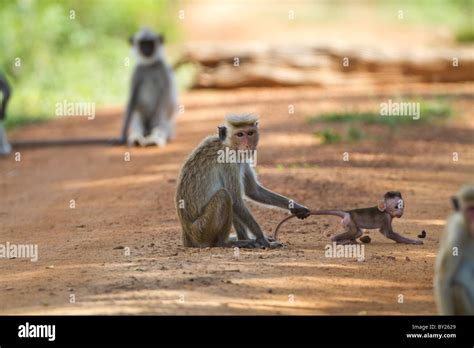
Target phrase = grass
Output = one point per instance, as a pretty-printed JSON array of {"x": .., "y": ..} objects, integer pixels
[
  {"x": 455, "y": 15},
  {"x": 465, "y": 35},
  {"x": 328, "y": 136},
  {"x": 430, "y": 112}
]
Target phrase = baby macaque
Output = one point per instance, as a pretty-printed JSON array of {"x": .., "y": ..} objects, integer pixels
[{"x": 380, "y": 216}]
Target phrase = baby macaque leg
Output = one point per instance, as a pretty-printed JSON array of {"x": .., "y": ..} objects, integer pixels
[{"x": 349, "y": 236}]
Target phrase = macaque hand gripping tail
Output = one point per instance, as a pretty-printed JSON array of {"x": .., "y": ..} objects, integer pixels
[
  {"x": 379, "y": 217},
  {"x": 210, "y": 191},
  {"x": 454, "y": 267}
]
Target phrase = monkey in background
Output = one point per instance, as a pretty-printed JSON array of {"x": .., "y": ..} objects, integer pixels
[
  {"x": 5, "y": 147},
  {"x": 210, "y": 193},
  {"x": 454, "y": 268},
  {"x": 150, "y": 114}
]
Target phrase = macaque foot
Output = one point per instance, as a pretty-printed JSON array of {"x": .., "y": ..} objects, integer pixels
[
  {"x": 136, "y": 139},
  {"x": 154, "y": 139},
  {"x": 275, "y": 244},
  {"x": 157, "y": 137},
  {"x": 244, "y": 244}
]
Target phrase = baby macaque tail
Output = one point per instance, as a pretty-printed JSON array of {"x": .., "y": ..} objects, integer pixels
[{"x": 340, "y": 213}]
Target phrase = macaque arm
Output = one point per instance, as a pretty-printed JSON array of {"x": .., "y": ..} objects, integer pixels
[
  {"x": 255, "y": 191},
  {"x": 443, "y": 284},
  {"x": 388, "y": 232},
  {"x": 130, "y": 107},
  {"x": 446, "y": 267},
  {"x": 243, "y": 214}
]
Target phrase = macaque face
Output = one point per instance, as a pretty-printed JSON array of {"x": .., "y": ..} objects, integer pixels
[
  {"x": 395, "y": 206},
  {"x": 147, "y": 47},
  {"x": 245, "y": 138}
]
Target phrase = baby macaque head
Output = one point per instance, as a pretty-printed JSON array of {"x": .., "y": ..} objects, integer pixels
[
  {"x": 464, "y": 203},
  {"x": 240, "y": 132},
  {"x": 392, "y": 204}
]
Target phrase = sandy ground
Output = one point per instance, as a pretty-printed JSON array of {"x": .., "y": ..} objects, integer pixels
[{"x": 128, "y": 205}]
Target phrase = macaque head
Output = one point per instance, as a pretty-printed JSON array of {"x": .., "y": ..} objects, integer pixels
[
  {"x": 240, "y": 132},
  {"x": 392, "y": 204},
  {"x": 464, "y": 203},
  {"x": 147, "y": 46}
]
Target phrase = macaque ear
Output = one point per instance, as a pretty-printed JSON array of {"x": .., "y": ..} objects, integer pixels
[
  {"x": 130, "y": 40},
  {"x": 381, "y": 205},
  {"x": 161, "y": 39},
  {"x": 455, "y": 202},
  {"x": 222, "y": 133}
]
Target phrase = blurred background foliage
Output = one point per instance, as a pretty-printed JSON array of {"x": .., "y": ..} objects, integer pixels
[
  {"x": 83, "y": 58},
  {"x": 77, "y": 56}
]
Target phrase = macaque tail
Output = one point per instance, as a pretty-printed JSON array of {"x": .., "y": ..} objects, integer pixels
[
  {"x": 64, "y": 142},
  {"x": 339, "y": 213}
]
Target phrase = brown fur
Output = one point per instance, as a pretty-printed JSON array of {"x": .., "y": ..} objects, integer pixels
[{"x": 212, "y": 194}]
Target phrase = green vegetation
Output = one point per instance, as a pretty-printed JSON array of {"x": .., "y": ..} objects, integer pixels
[
  {"x": 456, "y": 15},
  {"x": 355, "y": 134},
  {"x": 465, "y": 34},
  {"x": 328, "y": 136},
  {"x": 54, "y": 50},
  {"x": 430, "y": 111}
]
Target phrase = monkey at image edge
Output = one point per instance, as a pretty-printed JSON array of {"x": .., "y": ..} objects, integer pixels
[
  {"x": 454, "y": 269},
  {"x": 5, "y": 147}
]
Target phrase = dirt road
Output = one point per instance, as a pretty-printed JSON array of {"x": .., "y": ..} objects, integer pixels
[{"x": 123, "y": 206}]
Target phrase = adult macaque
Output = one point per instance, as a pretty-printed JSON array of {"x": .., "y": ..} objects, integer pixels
[
  {"x": 454, "y": 269},
  {"x": 210, "y": 192},
  {"x": 381, "y": 216},
  {"x": 151, "y": 109}
]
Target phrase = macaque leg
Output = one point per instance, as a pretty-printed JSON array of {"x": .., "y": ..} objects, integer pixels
[
  {"x": 159, "y": 130},
  {"x": 399, "y": 238},
  {"x": 171, "y": 128},
  {"x": 213, "y": 227},
  {"x": 5, "y": 147},
  {"x": 137, "y": 131},
  {"x": 349, "y": 236},
  {"x": 463, "y": 305},
  {"x": 158, "y": 136},
  {"x": 240, "y": 230}
]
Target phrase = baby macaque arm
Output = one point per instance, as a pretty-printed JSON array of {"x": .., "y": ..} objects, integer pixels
[{"x": 388, "y": 232}]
